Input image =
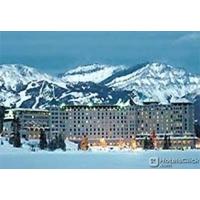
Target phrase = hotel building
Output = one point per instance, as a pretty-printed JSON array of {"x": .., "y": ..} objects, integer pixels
[
  {"x": 32, "y": 121},
  {"x": 115, "y": 122},
  {"x": 110, "y": 122}
]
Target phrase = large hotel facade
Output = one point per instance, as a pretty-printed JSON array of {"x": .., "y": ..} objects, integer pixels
[
  {"x": 114, "y": 122},
  {"x": 111, "y": 122}
]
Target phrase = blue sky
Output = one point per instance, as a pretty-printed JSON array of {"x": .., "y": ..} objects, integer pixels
[{"x": 55, "y": 52}]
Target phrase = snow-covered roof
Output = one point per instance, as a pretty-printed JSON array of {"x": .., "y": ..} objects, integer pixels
[
  {"x": 92, "y": 106},
  {"x": 181, "y": 100},
  {"x": 28, "y": 109},
  {"x": 150, "y": 100}
]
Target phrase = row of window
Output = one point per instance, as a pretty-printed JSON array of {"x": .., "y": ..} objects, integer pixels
[
  {"x": 89, "y": 122},
  {"x": 90, "y": 117},
  {"x": 103, "y": 135}
]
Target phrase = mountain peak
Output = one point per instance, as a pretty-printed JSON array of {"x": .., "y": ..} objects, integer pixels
[
  {"x": 87, "y": 68},
  {"x": 158, "y": 80},
  {"x": 156, "y": 66},
  {"x": 19, "y": 67},
  {"x": 90, "y": 73},
  {"x": 12, "y": 75}
]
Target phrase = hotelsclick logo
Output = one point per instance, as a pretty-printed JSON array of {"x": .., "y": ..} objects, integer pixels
[
  {"x": 169, "y": 162},
  {"x": 154, "y": 161}
]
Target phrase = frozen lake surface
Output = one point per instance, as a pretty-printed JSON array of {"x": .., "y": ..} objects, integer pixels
[
  {"x": 24, "y": 158},
  {"x": 100, "y": 160}
]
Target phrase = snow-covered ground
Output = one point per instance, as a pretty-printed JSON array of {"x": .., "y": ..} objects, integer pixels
[{"x": 22, "y": 158}]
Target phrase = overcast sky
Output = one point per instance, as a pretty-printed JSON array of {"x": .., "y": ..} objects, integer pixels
[{"x": 55, "y": 52}]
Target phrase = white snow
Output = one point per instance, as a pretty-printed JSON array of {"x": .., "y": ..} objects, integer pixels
[
  {"x": 83, "y": 99},
  {"x": 121, "y": 103},
  {"x": 180, "y": 100},
  {"x": 158, "y": 81},
  {"x": 13, "y": 74},
  {"x": 95, "y": 73},
  {"x": 155, "y": 80},
  {"x": 97, "y": 158}
]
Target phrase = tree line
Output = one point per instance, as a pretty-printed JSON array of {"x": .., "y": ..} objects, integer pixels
[
  {"x": 149, "y": 143},
  {"x": 56, "y": 142}
]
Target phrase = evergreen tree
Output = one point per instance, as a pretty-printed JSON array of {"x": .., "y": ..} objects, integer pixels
[
  {"x": 43, "y": 140},
  {"x": 61, "y": 143},
  {"x": 151, "y": 143},
  {"x": 2, "y": 114},
  {"x": 17, "y": 140},
  {"x": 165, "y": 143},
  {"x": 79, "y": 145},
  {"x": 16, "y": 128},
  {"x": 169, "y": 142},
  {"x": 197, "y": 129},
  {"x": 57, "y": 141},
  {"x": 11, "y": 139},
  {"x": 146, "y": 143},
  {"x": 52, "y": 144},
  {"x": 1, "y": 140}
]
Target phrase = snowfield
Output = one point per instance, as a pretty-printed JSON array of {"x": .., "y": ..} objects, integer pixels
[{"x": 96, "y": 158}]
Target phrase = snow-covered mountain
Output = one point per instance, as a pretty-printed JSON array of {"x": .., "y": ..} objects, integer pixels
[
  {"x": 161, "y": 82},
  {"x": 24, "y": 86},
  {"x": 14, "y": 75},
  {"x": 95, "y": 73}
]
